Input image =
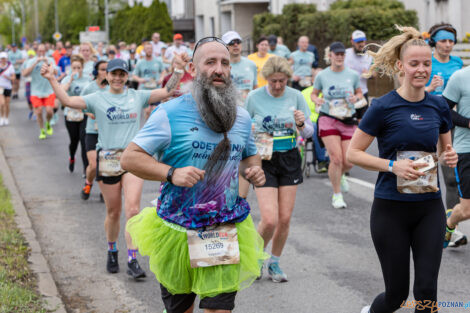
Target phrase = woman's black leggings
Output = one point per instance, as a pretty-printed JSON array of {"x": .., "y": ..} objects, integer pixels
[
  {"x": 76, "y": 132},
  {"x": 397, "y": 227}
]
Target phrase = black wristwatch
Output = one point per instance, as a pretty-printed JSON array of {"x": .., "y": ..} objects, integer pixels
[
  {"x": 169, "y": 176},
  {"x": 301, "y": 125}
]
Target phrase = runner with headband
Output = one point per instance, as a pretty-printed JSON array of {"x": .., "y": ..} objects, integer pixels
[
  {"x": 118, "y": 113},
  {"x": 203, "y": 140},
  {"x": 412, "y": 129}
]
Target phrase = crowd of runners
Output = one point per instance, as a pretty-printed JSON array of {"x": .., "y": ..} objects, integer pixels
[{"x": 217, "y": 122}]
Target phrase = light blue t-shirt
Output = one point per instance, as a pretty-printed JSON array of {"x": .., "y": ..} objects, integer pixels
[
  {"x": 244, "y": 74},
  {"x": 336, "y": 86},
  {"x": 148, "y": 69},
  {"x": 457, "y": 90},
  {"x": 40, "y": 87},
  {"x": 281, "y": 51},
  {"x": 445, "y": 70},
  {"x": 88, "y": 68},
  {"x": 302, "y": 62},
  {"x": 76, "y": 87},
  {"x": 13, "y": 57},
  {"x": 176, "y": 133},
  {"x": 92, "y": 87},
  {"x": 118, "y": 116},
  {"x": 276, "y": 115}
]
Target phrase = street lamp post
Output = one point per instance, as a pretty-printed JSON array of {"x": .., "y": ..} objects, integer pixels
[
  {"x": 106, "y": 22},
  {"x": 12, "y": 25}
]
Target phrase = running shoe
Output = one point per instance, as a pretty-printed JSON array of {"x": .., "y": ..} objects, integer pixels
[
  {"x": 337, "y": 202},
  {"x": 449, "y": 231},
  {"x": 71, "y": 165},
  {"x": 457, "y": 239},
  {"x": 112, "y": 265},
  {"x": 42, "y": 134},
  {"x": 2, "y": 121},
  {"x": 6, "y": 121},
  {"x": 30, "y": 115},
  {"x": 276, "y": 274},
  {"x": 366, "y": 309},
  {"x": 134, "y": 269},
  {"x": 261, "y": 270},
  {"x": 86, "y": 191},
  {"x": 54, "y": 119},
  {"x": 49, "y": 130},
  {"x": 344, "y": 184},
  {"x": 322, "y": 167}
]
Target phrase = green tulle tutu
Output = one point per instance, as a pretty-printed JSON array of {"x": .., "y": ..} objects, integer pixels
[{"x": 166, "y": 245}]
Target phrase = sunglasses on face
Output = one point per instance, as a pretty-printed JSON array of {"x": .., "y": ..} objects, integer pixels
[
  {"x": 235, "y": 41},
  {"x": 206, "y": 40}
]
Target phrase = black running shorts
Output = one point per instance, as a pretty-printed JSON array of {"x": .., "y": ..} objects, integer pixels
[
  {"x": 180, "y": 303},
  {"x": 284, "y": 169},
  {"x": 463, "y": 177},
  {"x": 90, "y": 142}
]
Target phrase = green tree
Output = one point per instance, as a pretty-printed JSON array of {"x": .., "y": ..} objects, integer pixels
[{"x": 133, "y": 24}]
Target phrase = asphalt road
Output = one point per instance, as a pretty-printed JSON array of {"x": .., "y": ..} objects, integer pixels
[{"x": 329, "y": 257}]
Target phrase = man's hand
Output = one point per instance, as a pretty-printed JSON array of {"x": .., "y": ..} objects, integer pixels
[
  {"x": 187, "y": 176},
  {"x": 47, "y": 71},
  {"x": 255, "y": 175},
  {"x": 299, "y": 117},
  {"x": 181, "y": 60}
]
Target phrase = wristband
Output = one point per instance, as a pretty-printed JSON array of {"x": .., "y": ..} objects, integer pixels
[
  {"x": 178, "y": 71},
  {"x": 390, "y": 166},
  {"x": 301, "y": 125},
  {"x": 169, "y": 176}
]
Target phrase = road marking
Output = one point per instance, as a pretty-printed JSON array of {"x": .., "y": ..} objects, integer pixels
[{"x": 361, "y": 182}]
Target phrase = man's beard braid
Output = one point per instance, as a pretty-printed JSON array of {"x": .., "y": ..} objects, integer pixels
[{"x": 218, "y": 109}]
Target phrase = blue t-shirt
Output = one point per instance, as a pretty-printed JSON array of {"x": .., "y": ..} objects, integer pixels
[
  {"x": 281, "y": 51},
  {"x": 40, "y": 87},
  {"x": 92, "y": 87},
  {"x": 76, "y": 87},
  {"x": 149, "y": 70},
  {"x": 244, "y": 74},
  {"x": 176, "y": 133},
  {"x": 302, "y": 63},
  {"x": 117, "y": 115},
  {"x": 13, "y": 57},
  {"x": 400, "y": 125},
  {"x": 445, "y": 70},
  {"x": 275, "y": 115}
]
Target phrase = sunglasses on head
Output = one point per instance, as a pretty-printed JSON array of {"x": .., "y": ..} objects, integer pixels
[
  {"x": 235, "y": 41},
  {"x": 208, "y": 39}
]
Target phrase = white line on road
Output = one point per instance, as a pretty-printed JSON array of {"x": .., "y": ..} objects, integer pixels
[{"x": 361, "y": 182}]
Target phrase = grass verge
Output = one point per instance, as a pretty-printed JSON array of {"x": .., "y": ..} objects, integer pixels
[{"x": 18, "y": 291}]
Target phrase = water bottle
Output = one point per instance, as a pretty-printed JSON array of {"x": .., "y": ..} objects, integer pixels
[{"x": 440, "y": 88}]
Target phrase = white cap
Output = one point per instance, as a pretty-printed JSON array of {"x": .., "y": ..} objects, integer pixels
[
  {"x": 3, "y": 55},
  {"x": 358, "y": 35},
  {"x": 230, "y": 35}
]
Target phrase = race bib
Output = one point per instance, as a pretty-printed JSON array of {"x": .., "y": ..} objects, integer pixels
[
  {"x": 109, "y": 163},
  {"x": 264, "y": 142},
  {"x": 217, "y": 245},
  {"x": 75, "y": 115},
  {"x": 424, "y": 184},
  {"x": 339, "y": 108},
  {"x": 150, "y": 84},
  {"x": 305, "y": 81}
]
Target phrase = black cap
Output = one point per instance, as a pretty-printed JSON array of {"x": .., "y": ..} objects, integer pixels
[
  {"x": 117, "y": 64},
  {"x": 272, "y": 39},
  {"x": 337, "y": 47},
  {"x": 111, "y": 52},
  {"x": 13, "y": 44}
]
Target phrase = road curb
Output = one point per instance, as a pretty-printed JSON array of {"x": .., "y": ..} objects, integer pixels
[{"x": 46, "y": 284}]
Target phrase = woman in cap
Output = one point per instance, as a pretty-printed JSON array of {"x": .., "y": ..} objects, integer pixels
[
  {"x": 118, "y": 114},
  {"x": 337, "y": 121}
]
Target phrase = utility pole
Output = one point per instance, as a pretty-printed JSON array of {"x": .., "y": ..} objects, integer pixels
[
  {"x": 23, "y": 19},
  {"x": 36, "y": 21},
  {"x": 56, "y": 17},
  {"x": 12, "y": 12},
  {"x": 106, "y": 22}
]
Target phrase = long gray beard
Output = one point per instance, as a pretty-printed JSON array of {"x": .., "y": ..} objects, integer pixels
[
  {"x": 217, "y": 105},
  {"x": 218, "y": 109}
]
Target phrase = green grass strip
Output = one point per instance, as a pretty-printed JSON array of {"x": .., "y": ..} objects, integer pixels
[{"x": 18, "y": 291}]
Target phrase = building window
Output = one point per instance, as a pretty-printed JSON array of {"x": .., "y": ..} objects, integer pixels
[{"x": 212, "y": 23}]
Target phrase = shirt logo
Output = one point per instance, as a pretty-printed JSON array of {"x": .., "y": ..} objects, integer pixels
[
  {"x": 416, "y": 117},
  {"x": 194, "y": 129},
  {"x": 114, "y": 113}
]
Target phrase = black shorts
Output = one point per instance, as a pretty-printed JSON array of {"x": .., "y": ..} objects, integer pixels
[
  {"x": 284, "y": 169},
  {"x": 18, "y": 76},
  {"x": 90, "y": 142},
  {"x": 7, "y": 92},
  {"x": 360, "y": 112},
  {"x": 462, "y": 175},
  {"x": 108, "y": 180},
  {"x": 180, "y": 303}
]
